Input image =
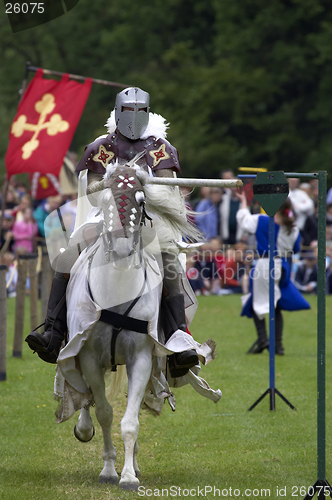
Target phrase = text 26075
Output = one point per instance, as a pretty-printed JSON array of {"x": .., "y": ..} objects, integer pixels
[{"x": 25, "y": 8}]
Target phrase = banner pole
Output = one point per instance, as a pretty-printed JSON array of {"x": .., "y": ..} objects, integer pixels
[
  {"x": 25, "y": 80},
  {"x": 77, "y": 77}
]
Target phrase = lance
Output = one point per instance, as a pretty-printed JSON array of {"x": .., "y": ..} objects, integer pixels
[{"x": 169, "y": 181}]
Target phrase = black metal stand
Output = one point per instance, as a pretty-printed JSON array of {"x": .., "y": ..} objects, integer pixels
[
  {"x": 272, "y": 392},
  {"x": 322, "y": 488}
]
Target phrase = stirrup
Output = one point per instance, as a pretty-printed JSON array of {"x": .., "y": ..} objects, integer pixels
[
  {"x": 47, "y": 348},
  {"x": 35, "y": 342},
  {"x": 178, "y": 368}
]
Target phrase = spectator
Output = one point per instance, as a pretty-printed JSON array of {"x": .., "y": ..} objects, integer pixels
[
  {"x": 6, "y": 231},
  {"x": 302, "y": 203},
  {"x": 314, "y": 183},
  {"x": 227, "y": 174},
  {"x": 208, "y": 218},
  {"x": 306, "y": 275},
  {"x": 233, "y": 270},
  {"x": 210, "y": 261},
  {"x": 230, "y": 231},
  {"x": 194, "y": 275},
  {"x": 306, "y": 187},
  {"x": 11, "y": 198},
  {"x": 43, "y": 210},
  {"x": 328, "y": 231},
  {"x": 25, "y": 202},
  {"x": 329, "y": 213},
  {"x": 69, "y": 212},
  {"x": 24, "y": 231},
  {"x": 11, "y": 274},
  {"x": 21, "y": 190},
  {"x": 204, "y": 193},
  {"x": 329, "y": 197},
  {"x": 328, "y": 271},
  {"x": 310, "y": 228}
]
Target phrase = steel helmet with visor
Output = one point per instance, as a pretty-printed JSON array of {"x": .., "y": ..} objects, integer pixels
[{"x": 132, "y": 112}]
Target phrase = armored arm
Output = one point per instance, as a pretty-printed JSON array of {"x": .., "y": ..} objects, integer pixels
[
  {"x": 164, "y": 172},
  {"x": 95, "y": 182}
]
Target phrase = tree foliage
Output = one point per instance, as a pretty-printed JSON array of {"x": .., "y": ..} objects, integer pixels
[{"x": 245, "y": 82}]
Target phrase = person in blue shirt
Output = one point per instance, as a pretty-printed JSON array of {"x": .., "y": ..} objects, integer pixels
[{"x": 207, "y": 218}]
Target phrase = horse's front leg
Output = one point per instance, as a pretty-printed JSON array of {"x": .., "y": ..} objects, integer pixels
[
  {"x": 138, "y": 371},
  {"x": 104, "y": 414},
  {"x": 136, "y": 468},
  {"x": 84, "y": 429}
]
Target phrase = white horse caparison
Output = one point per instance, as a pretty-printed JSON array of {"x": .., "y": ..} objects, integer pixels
[{"x": 119, "y": 256}]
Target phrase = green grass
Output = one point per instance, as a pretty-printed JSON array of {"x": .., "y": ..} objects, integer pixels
[{"x": 201, "y": 444}]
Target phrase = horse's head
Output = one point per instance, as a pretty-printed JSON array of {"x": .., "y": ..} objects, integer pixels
[{"x": 123, "y": 206}]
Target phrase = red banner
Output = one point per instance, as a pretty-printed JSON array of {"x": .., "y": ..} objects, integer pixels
[
  {"x": 44, "y": 185},
  {"x": 44, "y": 125}
]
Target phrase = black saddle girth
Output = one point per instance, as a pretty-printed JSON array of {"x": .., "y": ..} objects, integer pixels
[{"x": 120, "y": 321}]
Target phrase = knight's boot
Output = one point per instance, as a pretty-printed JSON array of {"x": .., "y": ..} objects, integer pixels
[
  {"x": 279, "y": 349},
  {"x": 262, "y": 342},
  {"x": 174, "y": 319},
  {"x": 47, "y": 345}
]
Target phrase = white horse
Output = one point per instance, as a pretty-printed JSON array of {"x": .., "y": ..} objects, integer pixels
[{"x": 125, "y": 277}]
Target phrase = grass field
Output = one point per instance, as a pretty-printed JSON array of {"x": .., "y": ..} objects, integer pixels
[{"x": 201, "y": 445}]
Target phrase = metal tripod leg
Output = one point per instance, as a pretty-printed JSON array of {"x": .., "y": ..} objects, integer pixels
[
  {"x": 322, "y": 488},
  {"x": 272, "y": 392}
]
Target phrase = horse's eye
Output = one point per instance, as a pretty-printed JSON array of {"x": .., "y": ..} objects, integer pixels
[{"x": 140, "y": 198}]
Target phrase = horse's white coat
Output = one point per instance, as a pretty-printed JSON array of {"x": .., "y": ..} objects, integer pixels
[{"x": 82, "y": 363}]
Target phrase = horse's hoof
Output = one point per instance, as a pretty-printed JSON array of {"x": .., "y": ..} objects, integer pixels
[
  {"x": 129, "y": 486},
  {"x": 109, "y": 480},
  {"x": 80, "y": 438}
]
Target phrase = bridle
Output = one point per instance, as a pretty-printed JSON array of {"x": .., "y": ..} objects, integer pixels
[{"x": 132, "y": 215}]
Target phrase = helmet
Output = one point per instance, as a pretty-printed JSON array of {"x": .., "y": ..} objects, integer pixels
[{"x": 132, "y": 112}]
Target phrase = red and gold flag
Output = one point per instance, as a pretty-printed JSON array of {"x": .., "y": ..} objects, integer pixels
[
  {"x": 44, "y": 185},
  {"x": 44, "y": 125}
]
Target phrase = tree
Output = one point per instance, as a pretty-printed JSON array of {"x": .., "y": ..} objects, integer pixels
[{"x": 245, "y": 82}]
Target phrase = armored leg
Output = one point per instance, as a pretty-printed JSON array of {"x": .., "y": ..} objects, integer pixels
[
  {"x": 47, "y": 344},
  {"x": 173, "y": 315}
]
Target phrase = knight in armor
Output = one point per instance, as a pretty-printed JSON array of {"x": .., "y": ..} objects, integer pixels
[{"x": 136, "y": 130}]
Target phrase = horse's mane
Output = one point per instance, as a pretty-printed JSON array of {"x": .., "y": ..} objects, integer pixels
[{"x": 172, "y": 221}]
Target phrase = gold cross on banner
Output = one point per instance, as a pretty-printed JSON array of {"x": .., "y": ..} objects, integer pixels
[{"x": 55, "y": 124}]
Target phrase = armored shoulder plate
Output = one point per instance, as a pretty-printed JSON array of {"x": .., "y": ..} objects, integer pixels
[{"x": 159, "y": 153}]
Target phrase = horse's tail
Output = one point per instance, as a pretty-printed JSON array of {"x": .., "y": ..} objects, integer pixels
[{"x": 116, "y": 383}]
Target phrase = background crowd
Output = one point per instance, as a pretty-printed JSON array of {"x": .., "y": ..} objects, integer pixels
[
  {"x": 23, "y": 225},
  {"x": 223, "y": 264},
  {"x": 220, "y": 266}
]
